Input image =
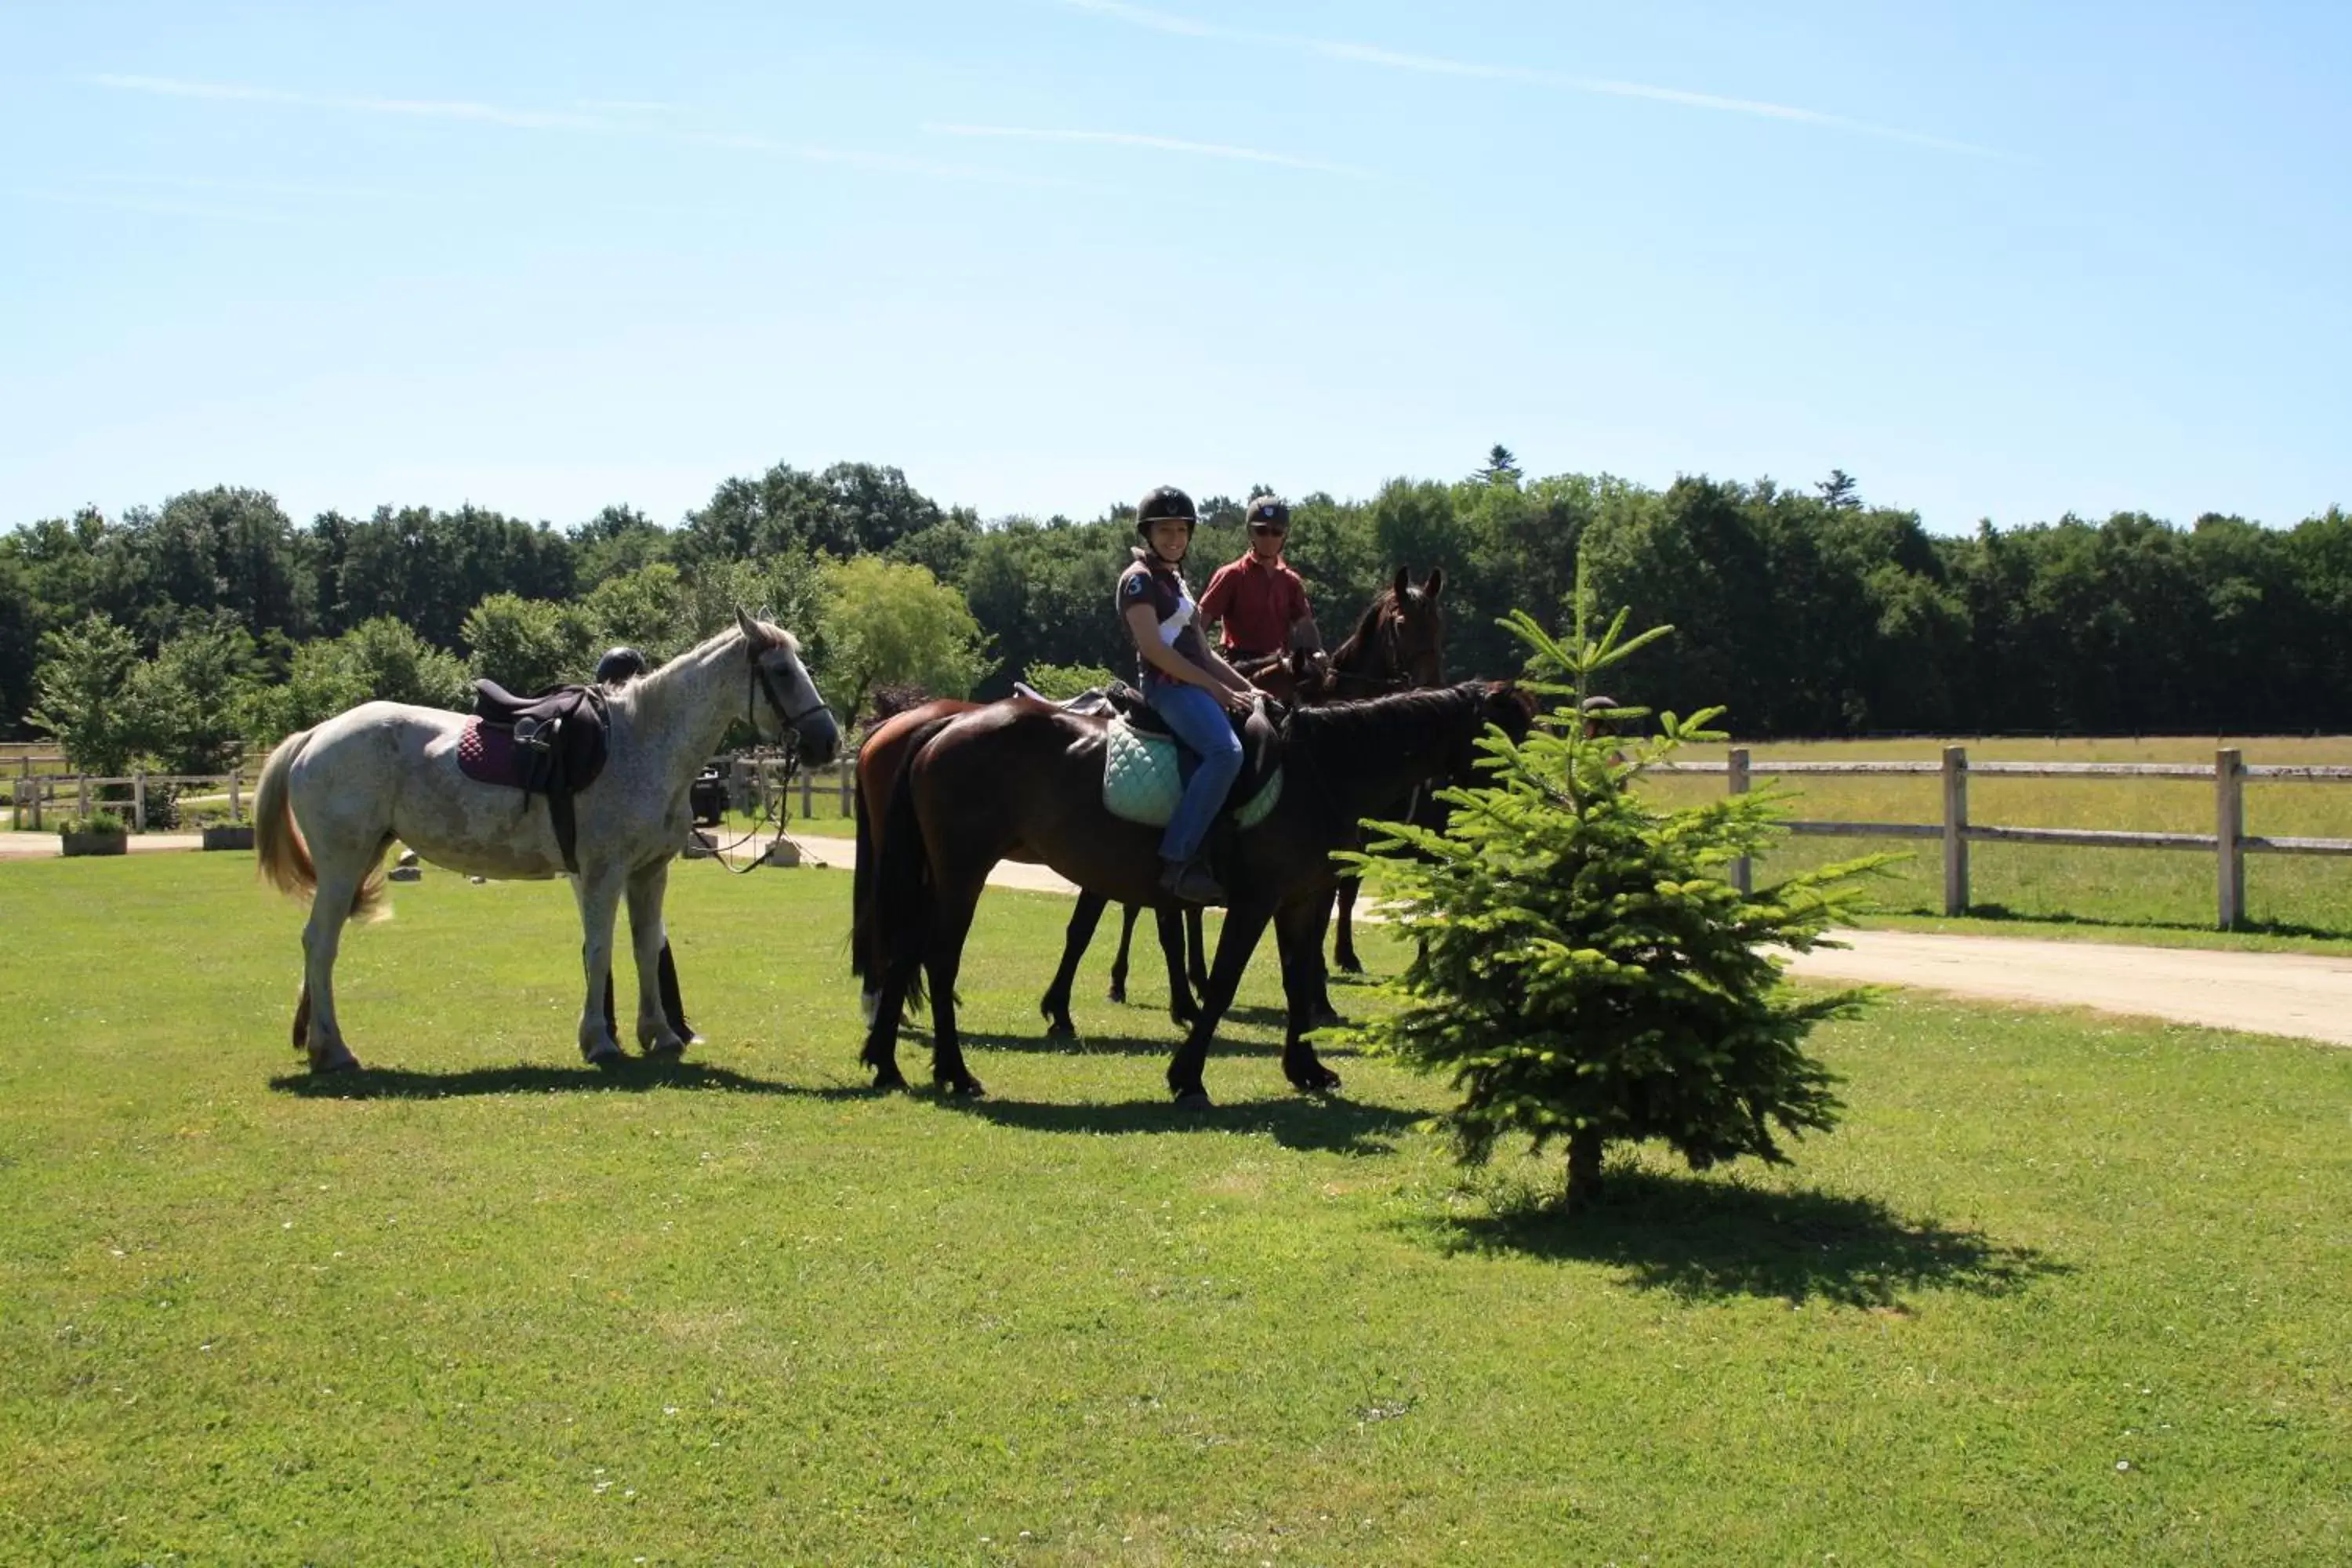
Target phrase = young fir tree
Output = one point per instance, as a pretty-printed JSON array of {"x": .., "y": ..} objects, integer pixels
[{"x": 1586, "y": 969}]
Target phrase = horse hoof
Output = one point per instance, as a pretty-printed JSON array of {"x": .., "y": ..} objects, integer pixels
[
  {"x": 1327, "y": 1018},
  {"x": 964, "y": 1088},
  {"x": 1194, "y": 1099},
  {"x": 889, "y": 1077},
  {"x": 602, "y": 1056},
  {"x": 1118, "y": 993},
  {"x": 674, "y": 1049},
  {"x": 340, "y": 1060},
  {"x": 1060, "y": 1029},
  {"x": 1351, "y": 964}
]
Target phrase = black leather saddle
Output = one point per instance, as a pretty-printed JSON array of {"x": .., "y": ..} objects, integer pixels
[{"x": 557, "y": 744}]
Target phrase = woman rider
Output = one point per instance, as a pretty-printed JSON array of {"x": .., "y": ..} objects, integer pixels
[{"x": 1187, "y": 685}]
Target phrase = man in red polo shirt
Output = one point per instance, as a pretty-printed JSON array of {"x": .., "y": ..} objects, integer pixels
[{"x": 1259, "y": 602}]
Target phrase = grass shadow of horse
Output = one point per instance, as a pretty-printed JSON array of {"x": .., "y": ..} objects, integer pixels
[
  {"x": 1113, "y": 1043},
  {"x": 1701, "y": 1238},
  {"x": 635, "y": 1075},
  {"x": 1325, "y": 1123}
]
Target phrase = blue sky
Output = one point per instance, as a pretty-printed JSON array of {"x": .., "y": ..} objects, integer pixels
[{"x": 1998, "y": 260}]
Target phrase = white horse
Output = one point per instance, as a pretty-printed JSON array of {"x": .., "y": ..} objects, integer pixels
[{"x": 331, "y": 799}]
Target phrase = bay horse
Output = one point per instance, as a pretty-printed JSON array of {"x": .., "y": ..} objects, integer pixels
[
  {"x": 332, "y": 798},
  {"x": 1398, "y": 644},
  {"x": 1023, "y": 781}
]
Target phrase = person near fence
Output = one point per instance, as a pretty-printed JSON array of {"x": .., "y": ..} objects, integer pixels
[{"x": 1186, "y": 684}]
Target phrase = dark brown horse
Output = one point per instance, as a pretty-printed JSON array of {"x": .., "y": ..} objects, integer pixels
[
  {"x": 1023, "y": 781},
  {"x": 1399, "y": 644}
]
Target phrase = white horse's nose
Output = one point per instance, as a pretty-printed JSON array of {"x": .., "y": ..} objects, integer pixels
[{"x": 820, "y": 736}]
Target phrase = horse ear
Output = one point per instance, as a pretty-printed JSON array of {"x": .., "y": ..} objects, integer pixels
[
  {"x": 1434, "y": 584},
  {"x": 753, "y": 633},
  {"x": 1403, "y": 580}
]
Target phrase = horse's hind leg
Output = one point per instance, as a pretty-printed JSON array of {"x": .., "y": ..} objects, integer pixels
[
  {"x": 657, "y": 1035},
  {"x": 315, "y": 1027},
  {"x": 1196, "y": 950},
  {"x": 956, "y": 897},
  {"x": 1055, "y": 1004}
]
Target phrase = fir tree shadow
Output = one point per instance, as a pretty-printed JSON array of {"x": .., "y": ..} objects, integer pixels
[
  {"x": 1327, "y": 1123},
  {"x": 1701, "y": 1238},
  {"x": 635, "y": 1075}
]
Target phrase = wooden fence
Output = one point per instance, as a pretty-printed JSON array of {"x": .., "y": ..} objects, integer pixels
[
  {"x": 30, "y": 794},
  {"x": 2229, "y": 842}
]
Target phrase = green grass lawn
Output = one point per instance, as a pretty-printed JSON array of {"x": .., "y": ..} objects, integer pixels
[{"x": 2065, "y": 1288}]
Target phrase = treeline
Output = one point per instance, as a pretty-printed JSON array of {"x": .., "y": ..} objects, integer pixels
[{"x": 1805, "y": 611}]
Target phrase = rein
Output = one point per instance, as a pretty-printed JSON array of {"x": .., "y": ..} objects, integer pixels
[{"x": 788, "y": 737}]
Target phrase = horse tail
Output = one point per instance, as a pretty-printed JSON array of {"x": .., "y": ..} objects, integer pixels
[
  {"x": 282, "y": 859},
  {"x": 861, "y": 880},
  {"x": 903, "y": 894},
  {"x": 285, "y": 859}
]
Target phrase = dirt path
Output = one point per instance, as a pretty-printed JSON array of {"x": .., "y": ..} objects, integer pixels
[{"x": 2286, "y": 994}]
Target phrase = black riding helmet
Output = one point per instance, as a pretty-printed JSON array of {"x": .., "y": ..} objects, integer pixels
[
  {"x": 620, "y": 664},
  {"x": 1269, "y": 508},
  {"x": 1161, "y": 504}
]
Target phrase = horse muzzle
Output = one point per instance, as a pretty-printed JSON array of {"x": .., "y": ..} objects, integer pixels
[{"x": 819, "y": 736}]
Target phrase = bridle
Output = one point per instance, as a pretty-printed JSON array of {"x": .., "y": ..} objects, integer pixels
[{"x": 787, "y": 721}]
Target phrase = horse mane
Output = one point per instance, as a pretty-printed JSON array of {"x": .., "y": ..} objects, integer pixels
[
  {"x": 1357, "y": 647},
  {"x": 1349, "y": 736}
]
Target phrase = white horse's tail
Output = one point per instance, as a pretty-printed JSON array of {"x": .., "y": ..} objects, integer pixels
[{"x": 284, "y": 858}]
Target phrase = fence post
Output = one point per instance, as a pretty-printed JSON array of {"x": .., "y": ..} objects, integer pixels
[
  {"x": 841, "y": 773},
  {"x": 739, "y": 784},
  {"x": 2229, "y": 829},
  {"x": 1743, "y": 873},
  {"x": 138, "y": 800},
  {"x": 808, "y": 796},
  {"x": 235, "y": 807},
  {"x": 81, "y": 799},
  {"x": 1955, "y": 830}
]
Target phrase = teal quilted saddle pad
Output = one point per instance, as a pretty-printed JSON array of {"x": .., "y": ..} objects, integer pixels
[{"x": 1140, "y": 781}]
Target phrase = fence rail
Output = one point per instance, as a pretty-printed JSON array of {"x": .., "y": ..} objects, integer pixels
[
  {"x": 28, "y": 794},
  {"x": 2229, "y": 841}
]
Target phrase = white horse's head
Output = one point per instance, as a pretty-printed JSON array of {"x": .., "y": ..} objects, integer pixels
[{"x": 792, "y": 703}]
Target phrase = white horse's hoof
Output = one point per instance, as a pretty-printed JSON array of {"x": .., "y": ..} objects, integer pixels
[
  {"x": 339, "y": 1059},
  {"x": 603, "y": 1054}
]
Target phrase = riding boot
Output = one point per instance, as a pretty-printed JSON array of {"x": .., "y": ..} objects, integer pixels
[{"x": 1189, "y": 881}]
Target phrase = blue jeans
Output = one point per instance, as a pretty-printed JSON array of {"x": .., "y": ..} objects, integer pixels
[{"x": 1199, "y": 723}]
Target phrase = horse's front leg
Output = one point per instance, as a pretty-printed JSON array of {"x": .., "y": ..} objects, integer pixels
[
  {"x": 1055, "y": 1004},
  {"x": 657, "y": 1035},
  {"x": 1343, "y": 947},
  {"x": 598, "y": 891},
  {"x": 1298, "y": 932},
  {"x": 1181, "y": 1007},
  {"x": 1244, "y": 923}
]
